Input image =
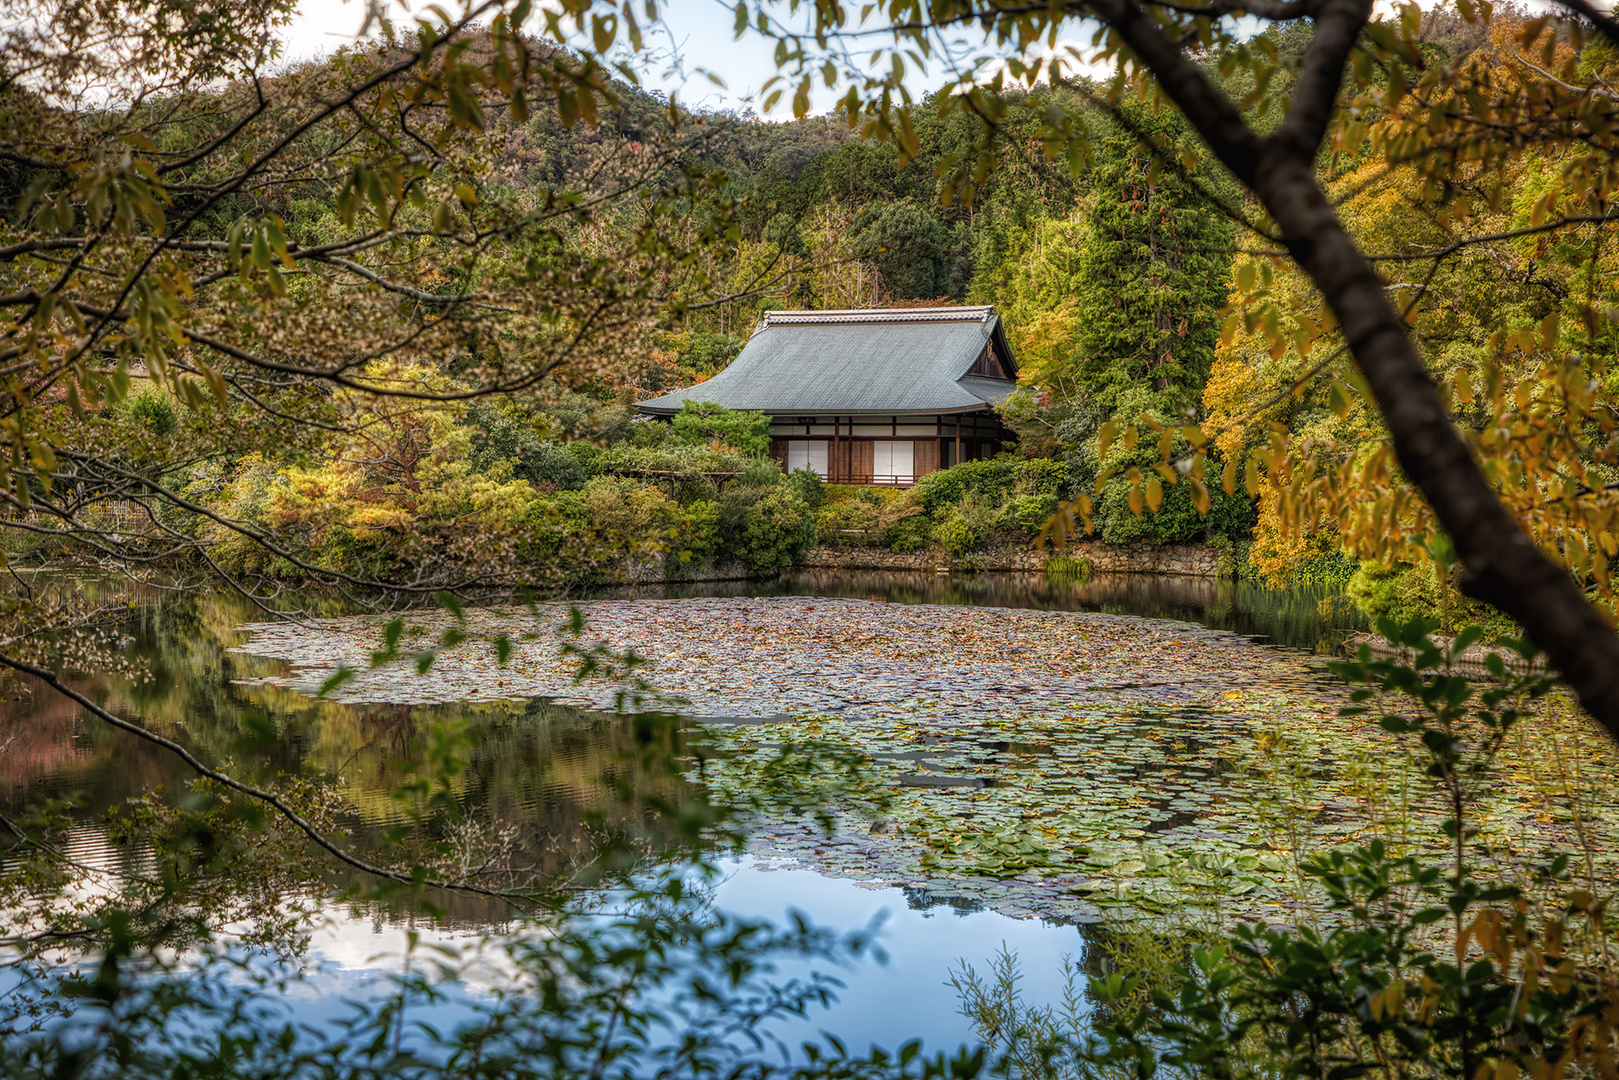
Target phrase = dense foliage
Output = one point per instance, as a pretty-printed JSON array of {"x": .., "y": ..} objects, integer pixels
[
  {"x": 484, "y": 440},
  {"x": 385, "y": 312}
]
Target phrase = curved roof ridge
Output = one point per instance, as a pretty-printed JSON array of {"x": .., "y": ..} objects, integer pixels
[{"x": 980, "y": 313}]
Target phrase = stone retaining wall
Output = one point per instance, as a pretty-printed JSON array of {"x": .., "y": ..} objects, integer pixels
[
  {"x": 1472, "y": 664},
  {"x": 654, "y": 572},
  {"x": 1183, "y": 560},
  {"x": 1173, "y": 560}
]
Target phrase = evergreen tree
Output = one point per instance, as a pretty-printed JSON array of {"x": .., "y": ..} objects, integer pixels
[
  {"x": 907, "y": 244},
  {"x": 1153, "y": 276}
]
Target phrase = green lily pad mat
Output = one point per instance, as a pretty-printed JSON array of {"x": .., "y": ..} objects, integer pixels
[{"x": 1041, "y": 763}]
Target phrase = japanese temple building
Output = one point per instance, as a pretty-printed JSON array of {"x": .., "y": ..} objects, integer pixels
[{"x": 879, "y": 396}]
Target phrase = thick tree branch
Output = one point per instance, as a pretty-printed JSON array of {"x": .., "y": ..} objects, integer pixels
[
  {"x": 1210, "y": 112},
  {"x": 1270, "y": 10},
  {"x": 1337, "y": 24},
  {"x": 1501, "y": 564}
]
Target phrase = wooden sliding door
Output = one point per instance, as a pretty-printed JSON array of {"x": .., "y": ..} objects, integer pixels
[{"x": 926, "y": 457}]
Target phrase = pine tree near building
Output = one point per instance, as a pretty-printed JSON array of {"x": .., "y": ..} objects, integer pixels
[{"x": 1153, "y": 277}]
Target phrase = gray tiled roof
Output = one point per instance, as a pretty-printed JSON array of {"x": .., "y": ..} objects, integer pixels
[{"x": 843, "y": 362}]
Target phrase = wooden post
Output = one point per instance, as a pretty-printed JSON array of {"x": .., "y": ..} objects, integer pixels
[
  {"x": 832, "y": 466},
  {"x": 958, "y": 440}
]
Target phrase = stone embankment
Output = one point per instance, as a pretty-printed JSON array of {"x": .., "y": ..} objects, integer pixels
[
  {"x": 1473, "y": 663},
  {"x": 1182, "y": 560},
  {"x": 656, "y": 572}
]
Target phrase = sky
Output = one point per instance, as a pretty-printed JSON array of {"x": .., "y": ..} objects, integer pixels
[{"x": 698, "y": 31}]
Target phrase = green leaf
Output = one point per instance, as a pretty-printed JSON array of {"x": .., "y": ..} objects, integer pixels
[
  {"x": 337, "y": 678},
  {"x": 1467, "y": 637}
]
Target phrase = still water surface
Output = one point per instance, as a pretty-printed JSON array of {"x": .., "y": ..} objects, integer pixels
[{"x": 541, "y": 765}]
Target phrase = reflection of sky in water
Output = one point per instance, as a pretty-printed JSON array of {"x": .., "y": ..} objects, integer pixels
[
  {"x": 911, "y": 995},
  {"x": 352, "y": 955},
  {"x": 908, "y": 997}
]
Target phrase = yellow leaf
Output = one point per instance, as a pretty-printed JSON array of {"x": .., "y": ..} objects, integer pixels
[{"x": 1104, "y": 437}]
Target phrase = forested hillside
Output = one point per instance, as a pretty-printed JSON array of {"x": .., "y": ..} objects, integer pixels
[
  {"x": 663, "y": 235},
  {"x": 1135, "y": 303},
  {"x": 312, "y": 377}
]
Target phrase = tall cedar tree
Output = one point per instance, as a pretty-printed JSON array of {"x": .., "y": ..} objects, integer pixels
[{"x": 1153, "y": 277}]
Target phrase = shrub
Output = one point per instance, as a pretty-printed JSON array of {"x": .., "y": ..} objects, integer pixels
[
  {"x": 630, "y": 511},
  {"x": 850, "y": 523},
  {"x": 809, "y": 486},
  {"x": 941, "y": 490},
  {"x": 1019, "y": 494},
  {"x": 1176, "y": 520},
  {"x": 963, "y": 527},
  {"x": 1403, "y": 592},
  {"x": 779, "y": 532},
  {"x": 632, "y": 459},
  {"x": 1375, "y": 589},
  {"x": 500, "y": 434},
  {"x": 1029, "y": 511},
  {"x": 153, "y": 411},
  {"x": 588, "y": 456},
  {"x": 767, "y": 529},
  {"x": 650, "y": 433},
  {"x": 867, "y": 517},
  {"x": 908, "y": 535},
  {"x": 553, "y": 465},
  {"x": 954, "y": 535},
  {"x": 760, "y": 472},
  {"x": 697, "y": 533}
]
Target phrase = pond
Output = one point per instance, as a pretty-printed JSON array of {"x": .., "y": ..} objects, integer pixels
[
  {"x": 1042, "y": 758},
  {"x": 1315, "y": 619}
]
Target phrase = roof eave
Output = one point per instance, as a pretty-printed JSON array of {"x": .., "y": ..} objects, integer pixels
[{"x": 982, "y": 406}]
